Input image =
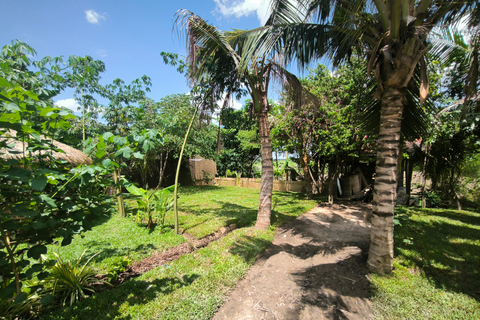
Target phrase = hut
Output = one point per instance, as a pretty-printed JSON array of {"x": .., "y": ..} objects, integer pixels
[
  {"x": 203, "y": 171},
  {"x": 65, "y": 152}
]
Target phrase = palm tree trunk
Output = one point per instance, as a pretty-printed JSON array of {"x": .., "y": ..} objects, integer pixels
[
  {"x": 266, "y": 188},
  {"x": 380, "y": 257}
]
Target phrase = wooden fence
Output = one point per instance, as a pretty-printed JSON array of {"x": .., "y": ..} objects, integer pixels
[{"x": 278, "y": 185}]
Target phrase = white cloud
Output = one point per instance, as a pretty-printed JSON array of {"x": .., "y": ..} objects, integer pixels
[
  {"x": 71, "y": 104},
  {"x": 102, "y": 53},
  {"x": 242, "y": 8},
  {"x": 94, "y": 17}
]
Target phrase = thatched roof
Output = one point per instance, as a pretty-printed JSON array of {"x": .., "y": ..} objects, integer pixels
[{"x": 69, "y": 154}]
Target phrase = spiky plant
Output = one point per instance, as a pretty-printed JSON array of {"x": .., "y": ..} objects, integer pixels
[{"x": 72, "y": 280}]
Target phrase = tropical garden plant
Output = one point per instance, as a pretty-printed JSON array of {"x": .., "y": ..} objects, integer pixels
[
  {"x": 43, "y": 199},
  {"x": 152, "y": 205},
  {"x": 70, "y": 281}
]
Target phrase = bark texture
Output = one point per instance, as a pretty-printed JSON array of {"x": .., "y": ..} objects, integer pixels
[
  {"x": 266, "y": 189},
  {"x": 380, "y": 258},
  {"x": 305, "y": 159}
]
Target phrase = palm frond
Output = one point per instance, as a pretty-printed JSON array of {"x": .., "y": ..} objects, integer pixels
[
  {"x": 202, "y": 39},
  {"x": 287, "y": 11}
]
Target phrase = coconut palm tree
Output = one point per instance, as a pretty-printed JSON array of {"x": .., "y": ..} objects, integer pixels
[
  {"x": 393, "y": 35},
  {"x": 208, "y": 45}
]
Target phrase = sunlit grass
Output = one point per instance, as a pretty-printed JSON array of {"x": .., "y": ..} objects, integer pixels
[{"x": 437, "y": 270}]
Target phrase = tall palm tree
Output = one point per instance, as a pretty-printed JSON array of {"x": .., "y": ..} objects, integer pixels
[
  {"x": 208, "y": 45},
  {"x": 393, "y": 35}
]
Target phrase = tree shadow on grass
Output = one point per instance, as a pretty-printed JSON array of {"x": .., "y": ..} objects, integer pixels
[
  {"x": 109, "y": 304},
  {"x": 448, "y": 253},
  {"x": 463, "y": 216},
  {"x": 187, "y": 190},
  {"x": 248, "y": 248},
  {"x": 97, "y": 220},
  {"x": 104, "y": 253},
  {"x": 244, "y": 216},
  {"x": 240, "y": 215}
]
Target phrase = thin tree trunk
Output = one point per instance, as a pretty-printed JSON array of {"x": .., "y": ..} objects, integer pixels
[
  {"x": 321, "y": 170},
  {"x": 424, "y": 175},
  {"x": 409, "y": 175},
  {"x": 219, "y": 133},
  {"x": 163, "y": 164},
  {"x": 265, "y": 202},
  {"x": 306, "y": 175},
  {"x": 11, "y": 256},
  {"x": 380, "y": 257},
  {"x": 175, "y": 191},
  {"x": 118, "y": 191},
  {"x": 332, "y": 185},
  {"x": 219, "y": 136}
]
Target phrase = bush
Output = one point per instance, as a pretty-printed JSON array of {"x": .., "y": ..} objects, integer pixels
[
  {"x": 71, "y": 280},
  {"x": 433, "y": 199}
]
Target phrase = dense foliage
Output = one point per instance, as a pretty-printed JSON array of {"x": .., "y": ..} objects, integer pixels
[{"x": 43, "y": 199}]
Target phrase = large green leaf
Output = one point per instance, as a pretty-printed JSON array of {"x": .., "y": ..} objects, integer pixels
[
  {"x": 135, "y": 190},
  {"x": 48, "y": 200},
  {"x": 107, "y": 135},
  {"x": 35, "y": 251},
  {"x": 47, "y": 299},
  {"x": 138, "y": 155},
  {"x": 100, "y": 153},
  {"x": 124, "y": 152},
  {"x": 168, "y": 190},
  {"x": 39, "y": 183},
  {"x": 120, "y": 141}
]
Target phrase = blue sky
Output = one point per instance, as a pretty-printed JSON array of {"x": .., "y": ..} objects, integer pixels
[{"x": 127, "y": 35}]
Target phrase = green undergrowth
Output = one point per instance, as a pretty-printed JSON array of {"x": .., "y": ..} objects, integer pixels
[
  {"x": 437, "y": 269},
  {"x": 194, "y": 286}
]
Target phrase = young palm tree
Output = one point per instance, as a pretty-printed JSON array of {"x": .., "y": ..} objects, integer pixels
[
  {"x": 393, "y": 34},
  {"x": 209, "y": 46}
]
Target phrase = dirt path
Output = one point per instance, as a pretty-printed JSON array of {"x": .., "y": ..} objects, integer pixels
[{"x": 315, "y": 269}]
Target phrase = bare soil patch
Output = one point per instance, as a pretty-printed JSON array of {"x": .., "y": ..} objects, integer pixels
[{"x": 315, "y": 269}]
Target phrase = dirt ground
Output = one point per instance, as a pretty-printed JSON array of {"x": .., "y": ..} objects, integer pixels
[{"x": 315, "y": 269}]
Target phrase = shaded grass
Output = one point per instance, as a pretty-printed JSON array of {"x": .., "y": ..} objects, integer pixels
[
  {"x": 437, "y": 270},
  {"x": 114, "y": 239}
]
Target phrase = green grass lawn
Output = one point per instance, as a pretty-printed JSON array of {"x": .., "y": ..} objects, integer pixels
[
  {"x": 437, "y": 267},
  {"x": 194, "y": 286}
]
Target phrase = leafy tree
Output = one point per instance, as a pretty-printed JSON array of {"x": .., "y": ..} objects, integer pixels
[
  {"x": 171, "y": 116},
  {"x": 84, "y": 77},
  {"x": 241, "y": 143},
  {"x": 120, "y": 112},
  {"x": 41, "y": 199},
  {"x": 114, "y": 150}
]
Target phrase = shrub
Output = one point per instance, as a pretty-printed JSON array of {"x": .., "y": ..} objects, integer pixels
[
  {"x": 71, "y": 280},
  {"x": 152, "y": 205},
  {"x": 433, "y": 199}
]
